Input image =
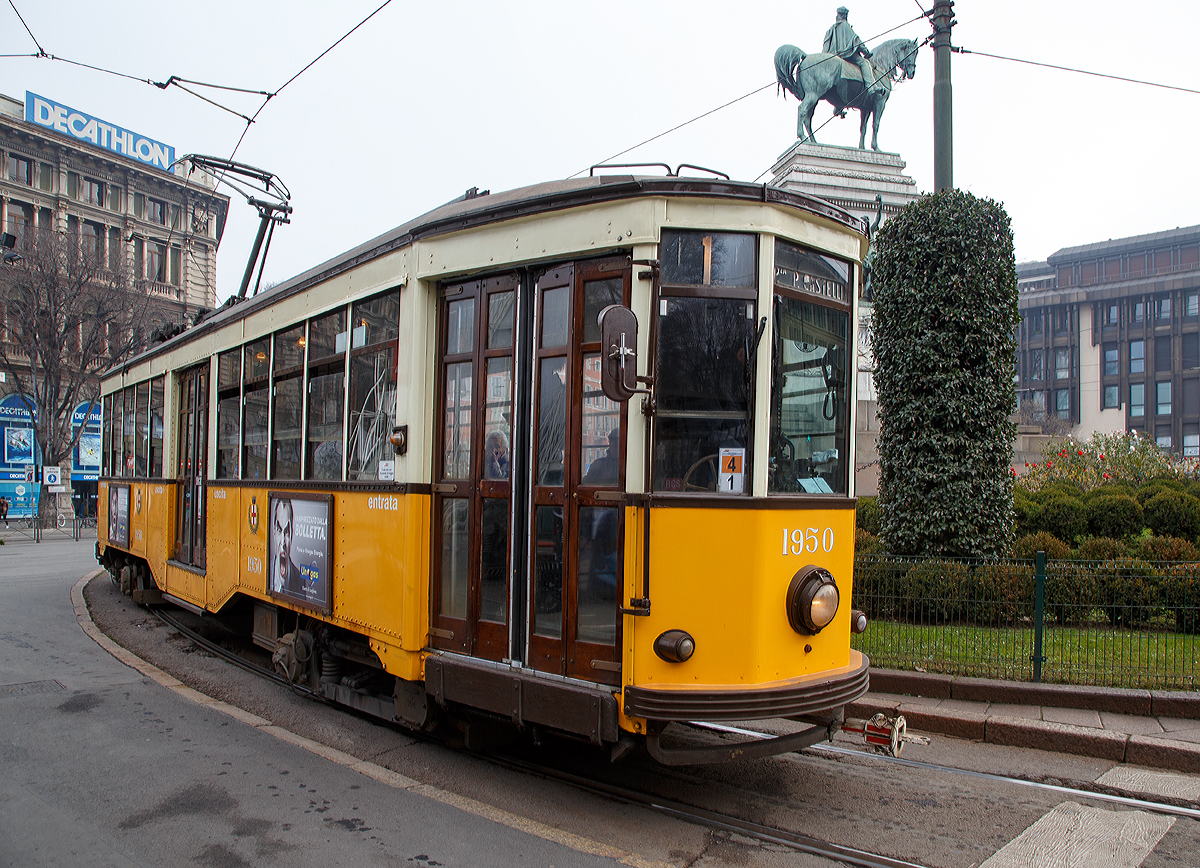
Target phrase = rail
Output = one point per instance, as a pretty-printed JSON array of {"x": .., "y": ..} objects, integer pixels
[{"x": 1124, "y": 622}]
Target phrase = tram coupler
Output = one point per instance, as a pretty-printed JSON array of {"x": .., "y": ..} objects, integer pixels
[{"x": 885, "y": 734}]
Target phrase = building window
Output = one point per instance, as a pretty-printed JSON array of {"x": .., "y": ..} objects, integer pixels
[
  {"x": 1191, "y": 441},
  {"x": 1139, "y": 312},
  {"x": 1111, "y": 360},
  {"x": 1137, "y": 357},
  {"x": 1112, "y": 397},
  {"x": 1062, "y": 364},
  {"x": 175, "y": 262},
  {"x": 1062, "y": 319},
  {"x": 156, "y": 212},
  {"x": 114, "y": 198},
  {"x": 1164, "y": 398},
  {"x": 1191, "y": 304},
  {"x": 1035, "y": 364},
  {"x": 91, "y": 192},
  {"x": 20, "y": 170},
  {"x": 1039, "y": 406},
  {"x": 1137, "y": 399},
  {"x": 1190, "y": 346},
  {"x": 1062, "y": 403},
  {"x": 1035, "y": 323},
  {"x": 1112, "y": 314},
  {"x": 1162, "y": 353},
  {"x": 1162, "y": 436},
  {"x": 1162, "y": 309}
]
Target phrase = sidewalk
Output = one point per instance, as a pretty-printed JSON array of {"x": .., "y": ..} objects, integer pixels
[{"x": 1157, "y": 728}]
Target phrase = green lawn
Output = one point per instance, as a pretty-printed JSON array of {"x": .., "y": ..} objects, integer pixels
[{"x": 1099, "y": 655}]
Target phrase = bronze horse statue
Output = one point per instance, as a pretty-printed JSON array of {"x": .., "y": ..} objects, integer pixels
[{"x": 815, "y": 77}]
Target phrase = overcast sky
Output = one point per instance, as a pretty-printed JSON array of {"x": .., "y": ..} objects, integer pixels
[{"x": 428, "y": 99}]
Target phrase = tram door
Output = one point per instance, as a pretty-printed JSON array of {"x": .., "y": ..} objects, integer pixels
[
  {"x": 473, "y": 481},
  {"x": 528, "y": 534},
  {"x": 577, "y": 468},
  {"x": 192, "y": 456}
]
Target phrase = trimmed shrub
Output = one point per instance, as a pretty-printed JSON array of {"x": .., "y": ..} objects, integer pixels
[
  {"x": 1101, "y": 548},
  {"x": 1112, "y": 489},
  {"x": 1065, "y": 518},
  {"x": 1180, "y": 592},
  {"x": 877, "y": 586},
  {"x": 867, "y": 515},
  {"x": 1194, "y": 489},
  {"x": 1152, "y": 489},
  {"x": 1172, "y": 513},
  {"x": 1128, "y": 587},
  {"x": 866, "y": 543},
  {"x": 1027, "y": 514},
  {"x": 1060, "y": 488},
  {"x": 1071, "y": 591},
  {"x": 1114, "y": 515},
  {"x": 945, "y": 285},
  {"x": 1166, "y": 548},
  {"x": 1028, "y": 546},
  {"x": 1003, "y": 594},
  {"x": 936, "y": 591}
]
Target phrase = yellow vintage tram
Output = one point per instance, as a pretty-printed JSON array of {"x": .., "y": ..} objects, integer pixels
[{"x": 446, "y": 486}]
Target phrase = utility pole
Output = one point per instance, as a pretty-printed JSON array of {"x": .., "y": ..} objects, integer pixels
[{"x": 943, "y": 114}]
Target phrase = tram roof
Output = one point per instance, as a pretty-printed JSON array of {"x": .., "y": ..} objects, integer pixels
[{"x": 465, "y": 213}]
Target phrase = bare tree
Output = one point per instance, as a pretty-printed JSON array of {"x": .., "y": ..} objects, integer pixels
[{"x": 66, "y": 317}]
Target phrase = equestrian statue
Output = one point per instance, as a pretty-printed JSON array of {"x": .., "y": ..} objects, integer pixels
[{"x": 846, "y": 75}]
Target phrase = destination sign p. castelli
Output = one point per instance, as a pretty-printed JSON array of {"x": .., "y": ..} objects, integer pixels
[{"x": 70, "y": 122}]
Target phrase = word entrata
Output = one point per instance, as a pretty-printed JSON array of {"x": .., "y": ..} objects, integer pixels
[
  {"x": 384, "y": 501},
  {"x": 66, "y": 120}
]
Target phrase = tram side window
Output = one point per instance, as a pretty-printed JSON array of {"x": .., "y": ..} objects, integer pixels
[
  {"x": 106, "y": 439},
  {"x": 374, "y": 329},
  {"x": 142, "y": 428},
  {"x": 704, "y": 369},
  {"x": 327, "y": 338},
  {"x": 257, "y": 368},
  {"x": 229, "y": 413},
  {"x": 129, "y": 433},
  {"x": 288, "y": 407},
  {"x": 810, "y": 373},
  {"x": 157, "y": 395}
]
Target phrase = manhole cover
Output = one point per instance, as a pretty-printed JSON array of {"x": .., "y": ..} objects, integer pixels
[{"x": 29, "y": 688}]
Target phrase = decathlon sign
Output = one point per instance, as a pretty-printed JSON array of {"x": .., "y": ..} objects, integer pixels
[{"x": 66, "y": 120}]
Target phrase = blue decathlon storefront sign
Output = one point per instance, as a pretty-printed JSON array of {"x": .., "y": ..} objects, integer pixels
[
  {"x": 71, "y": 122},
  {"x": 18, "y": 450},
  {"x": 85, "y": 462}
]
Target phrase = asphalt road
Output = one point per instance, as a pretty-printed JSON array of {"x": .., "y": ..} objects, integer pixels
[{"x": 111, "y": 768}]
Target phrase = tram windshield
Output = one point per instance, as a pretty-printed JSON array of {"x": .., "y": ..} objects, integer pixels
[
  {"x": 810, "y": 375},
  {"x": 704, "y": 370}
]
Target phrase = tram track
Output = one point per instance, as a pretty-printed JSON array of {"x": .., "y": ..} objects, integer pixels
[{"x": 704, "y": 817}]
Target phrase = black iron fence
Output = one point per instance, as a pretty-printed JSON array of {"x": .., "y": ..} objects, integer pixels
[{"x": 1121, "y": 623}]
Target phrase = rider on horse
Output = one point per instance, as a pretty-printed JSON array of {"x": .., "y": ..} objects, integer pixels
[{"x": 840, "y": 39}]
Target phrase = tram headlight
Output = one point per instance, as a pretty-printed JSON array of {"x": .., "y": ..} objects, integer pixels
[
  {"x": 812, "y": 600},
  {"x": 675, "y": 646}
]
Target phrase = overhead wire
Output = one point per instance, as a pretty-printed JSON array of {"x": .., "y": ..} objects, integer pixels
[
  {"x": 728, "y": 104},
  {"x": 41, "y": 51},
  {"x": 958, "y": 50}
]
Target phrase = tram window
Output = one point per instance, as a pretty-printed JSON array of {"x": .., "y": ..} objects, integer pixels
[
  {"x": 556, "y": 309},
  {"x": 457, "y": 436},
  {"x": 500, "y": 320},
  {"x": 552, "y": 420},
  {"x": 326, "y": 394},
  {"x": 157, "y": 395},
  {"x": 258, "y": 360},
  {"x": 254, "y": 433},
  {"x": 809, "y": 389},
  {"x": 289, "y": 351},
  {"x": 460, "y": 326},
  {"x": 696, "y": 258},
  {"x": 106, "y": 450},
  {"x": 599, "y": 574},
  {"x": 493, "y": 560},
  {"x": 455, "y": 563},
  {"x": 229, "y": 413},
  {"x": 599, "y": 457},
  {"x": 285, "y": 439},
  {"x": 372, "y": 393},
  {"x": 129, "y": 432},
  {"x": 548, "y": 571},
  {"x": 327, "y": 336},
  {"x": 142, "y": 430},
  {"x": 597, "y": 295},
  {"x": 497, "y": 416}
]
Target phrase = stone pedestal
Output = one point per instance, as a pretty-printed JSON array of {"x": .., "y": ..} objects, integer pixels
[{"x": 846, "y": 177}]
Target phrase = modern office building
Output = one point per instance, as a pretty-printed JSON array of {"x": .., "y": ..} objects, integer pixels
[{"x": 1110, "y": 338}]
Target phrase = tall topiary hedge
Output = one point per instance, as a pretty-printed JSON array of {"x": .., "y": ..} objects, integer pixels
[{"x": 945, "y": 285}]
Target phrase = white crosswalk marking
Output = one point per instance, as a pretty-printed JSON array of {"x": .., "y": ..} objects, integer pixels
[{"x": 1072, "y": 835}]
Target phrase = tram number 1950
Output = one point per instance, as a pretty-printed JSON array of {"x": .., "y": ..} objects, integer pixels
[{"x": 809, "y": 539}]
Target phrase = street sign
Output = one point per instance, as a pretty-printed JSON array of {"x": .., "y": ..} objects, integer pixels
[
  {"x": 30, "y": 473},
  {"x": 51, "y": 475}
]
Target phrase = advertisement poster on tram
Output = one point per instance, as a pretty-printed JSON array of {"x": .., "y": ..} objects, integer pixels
[
  {"x": 298, "y": 542},
  {"x": 118, "y": 515}
]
